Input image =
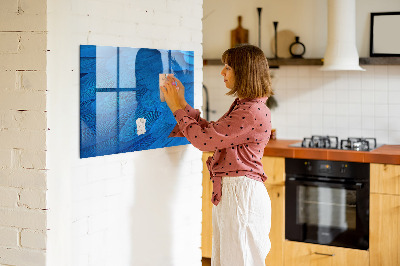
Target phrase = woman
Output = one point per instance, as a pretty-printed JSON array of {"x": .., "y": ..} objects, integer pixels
[{"x": 242, "y": 212}]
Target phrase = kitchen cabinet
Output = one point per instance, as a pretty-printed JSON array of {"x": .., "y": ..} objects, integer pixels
[
  {"x": 274, "y": 168},
  {"x": 305, "y": 254},
  {"x": 277, "y": 233},
  {"x": 206, "y": 225},
  {"x": 385, "y": 178},
  {"x": 385, "y": 215},
  {"x": 385, "y": 230},
  {"x": 384, "y": 245}
]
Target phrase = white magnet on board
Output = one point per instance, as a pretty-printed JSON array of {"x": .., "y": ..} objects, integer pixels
[{"x": 141, "y": 126}]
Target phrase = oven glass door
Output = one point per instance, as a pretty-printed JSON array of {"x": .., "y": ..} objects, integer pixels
[
  {"x": 326, "y": 213},
  {"x": 327, "y": 207}
]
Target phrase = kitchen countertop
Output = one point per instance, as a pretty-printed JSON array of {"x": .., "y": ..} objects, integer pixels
[{"x": 389, "y": 154}]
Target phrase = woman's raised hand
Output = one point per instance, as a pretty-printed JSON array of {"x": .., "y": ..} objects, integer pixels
[
  {"x": 174, "y": 94},
  {"x": 181, "y": 91}
]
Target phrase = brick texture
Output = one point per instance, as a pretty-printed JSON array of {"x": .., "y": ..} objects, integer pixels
[
  {"x": 33, "y": 239},
  {"x": 23, "y": 126},
  {"x": 8, "y": 197},
  {"x": 33, "y": 199},
  {"x": 17, "y": 256},
  {"x": 9, "y": 237},
  {"x": 95, "y": 197},
  {"x": 23, "y": 218}
]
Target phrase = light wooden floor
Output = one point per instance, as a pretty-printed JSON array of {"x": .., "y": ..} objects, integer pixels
[{"x": 206, "y": 261}]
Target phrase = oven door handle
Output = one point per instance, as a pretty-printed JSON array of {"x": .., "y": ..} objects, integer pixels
[{"x": 357, "y": 185}]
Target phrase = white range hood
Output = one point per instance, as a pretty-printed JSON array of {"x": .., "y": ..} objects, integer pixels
[{"x": 341, "y": 51}]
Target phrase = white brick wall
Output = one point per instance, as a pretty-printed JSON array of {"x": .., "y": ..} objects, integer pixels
[
  {"x": 23, "y": 178},
  {"x": 11, "y": 256},
  {"x": 9, "y": 237},
  {"x": 23, "y": 132},
  {"x": 139, "y": 208},
  {"x": 100, "y": 209},
  {"x": 33, "y": 239},
  {"x": 8, "y": 197}
]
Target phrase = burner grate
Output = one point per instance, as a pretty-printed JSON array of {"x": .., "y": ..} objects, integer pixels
[
  {"x": 327, "y": 142},
  {"x": 358, "y": 144},
  {"x": 332, "y": 142}
]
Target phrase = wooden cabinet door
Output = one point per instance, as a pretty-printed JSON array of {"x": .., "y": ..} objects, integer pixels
[
  {"x": 274, "y": 168},
  {"x": 384, "y": 237},
  {"x": 304, "y": 254},
  {"x": 385, "y": 178},
  {"x": 206, "y": 225},
  {"x": 277, "y": 233}
]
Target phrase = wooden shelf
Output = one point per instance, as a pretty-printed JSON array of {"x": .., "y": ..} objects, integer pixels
[
  {"x": 274, "y": 63},
  {"x": 212, "y": 62},
  {"x": 380, "y": 61}
]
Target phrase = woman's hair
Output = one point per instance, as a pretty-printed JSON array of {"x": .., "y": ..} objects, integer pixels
[{"x": 250, "y": 66}]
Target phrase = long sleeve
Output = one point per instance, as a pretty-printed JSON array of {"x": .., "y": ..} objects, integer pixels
[
  {"x": 231, "y": 130},
  {"x": 193, "y": 113}
]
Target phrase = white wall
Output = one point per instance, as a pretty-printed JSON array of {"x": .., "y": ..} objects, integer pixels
[
  {"x": 140, "y": 208},
  {"x": 343, "y": 104},
  {"x": 23, "y": 133},
  {"x": 306, "y": 19},
  {"x": 311, "y": 102}
]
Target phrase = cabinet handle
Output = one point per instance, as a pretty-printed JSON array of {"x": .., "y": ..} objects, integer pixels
[{"x": 324, "y": 254}]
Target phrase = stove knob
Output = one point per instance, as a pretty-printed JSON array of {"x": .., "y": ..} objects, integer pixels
[
  {"x": 343, "y": 168},
  {"x": 308, "y": 166}
]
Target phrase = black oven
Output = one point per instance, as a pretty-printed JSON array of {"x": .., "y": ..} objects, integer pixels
[{"x": 327, "y": 202}]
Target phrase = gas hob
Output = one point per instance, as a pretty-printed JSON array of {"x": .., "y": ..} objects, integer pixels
[{"x": 332, "y": 142}]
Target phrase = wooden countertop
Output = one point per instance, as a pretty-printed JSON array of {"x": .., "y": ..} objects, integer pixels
[{"x": 389, "y": 154}]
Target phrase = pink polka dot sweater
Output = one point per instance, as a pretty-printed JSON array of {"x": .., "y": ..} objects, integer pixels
[{"x": 238, "y": 139}]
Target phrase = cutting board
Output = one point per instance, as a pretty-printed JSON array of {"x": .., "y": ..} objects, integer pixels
[{"x": 239, "y": 35}]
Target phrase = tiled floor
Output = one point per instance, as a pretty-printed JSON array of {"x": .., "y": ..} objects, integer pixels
[{"x": 206, "y": 261}]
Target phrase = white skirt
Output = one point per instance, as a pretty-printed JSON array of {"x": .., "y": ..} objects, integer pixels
[{"x": 241, "y": 223}]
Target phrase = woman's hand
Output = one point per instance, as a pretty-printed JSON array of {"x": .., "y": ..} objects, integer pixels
[
  {"x": 172, "y": 95},
  {"x": 181, "y": 91}
]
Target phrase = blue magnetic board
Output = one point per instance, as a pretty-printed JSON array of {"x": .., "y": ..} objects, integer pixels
[{"x": 120, "y": 106}]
